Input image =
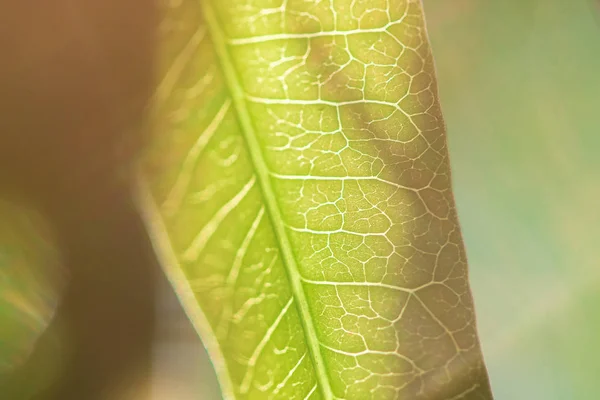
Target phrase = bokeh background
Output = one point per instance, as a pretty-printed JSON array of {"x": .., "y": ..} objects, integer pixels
[
  {"x": 519, "y": 84},
  {"x": 520, "y": 89}
]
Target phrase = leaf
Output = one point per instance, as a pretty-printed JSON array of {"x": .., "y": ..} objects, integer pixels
[
  {"x": 30, "y": 281},
  {"x": 297, "y": 188}
]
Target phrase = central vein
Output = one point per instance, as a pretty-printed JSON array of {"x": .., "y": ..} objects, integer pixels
[{"x": 272, "y": 206}]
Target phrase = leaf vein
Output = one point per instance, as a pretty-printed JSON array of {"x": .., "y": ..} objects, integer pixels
[
  {"x": 271, "y": 203},
  {"x": 200, "y": 241}
]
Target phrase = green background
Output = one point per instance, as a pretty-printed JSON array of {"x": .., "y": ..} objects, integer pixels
[{"x": 520, "y": 89}]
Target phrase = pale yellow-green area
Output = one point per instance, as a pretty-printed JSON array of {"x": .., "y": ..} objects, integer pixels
[{"x": 299, "y": 191}]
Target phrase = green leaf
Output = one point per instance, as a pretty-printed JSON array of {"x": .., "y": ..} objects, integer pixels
[
  {"x": 30, "y": 281},
  {"x": 297, "y": 188}
]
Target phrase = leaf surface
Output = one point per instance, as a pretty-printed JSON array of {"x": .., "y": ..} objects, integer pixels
[{"x": 298, "y": 189}]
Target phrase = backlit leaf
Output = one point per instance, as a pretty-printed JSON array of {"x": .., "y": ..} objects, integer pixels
[{"x": 298, "y": 190}]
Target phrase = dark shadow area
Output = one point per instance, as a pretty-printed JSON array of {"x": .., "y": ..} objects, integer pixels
[{"x": 75, "y": 78}]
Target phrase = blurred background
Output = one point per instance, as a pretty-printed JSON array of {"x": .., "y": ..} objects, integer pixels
[
  {"x": 519, "y": 83},
  {"x": 520, "y": 90}
]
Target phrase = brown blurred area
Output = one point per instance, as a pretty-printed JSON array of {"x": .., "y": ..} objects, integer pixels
[{"x": 75, "y": 77}]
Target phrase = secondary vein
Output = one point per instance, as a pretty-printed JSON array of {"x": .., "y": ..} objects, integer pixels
[{"x": 272, "y": 206}]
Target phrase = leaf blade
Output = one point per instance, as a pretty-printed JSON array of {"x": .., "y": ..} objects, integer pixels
[{"x": 332, "y": 192}]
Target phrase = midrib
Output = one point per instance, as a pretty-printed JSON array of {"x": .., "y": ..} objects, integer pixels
[{"x": 271, "y": 204}]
